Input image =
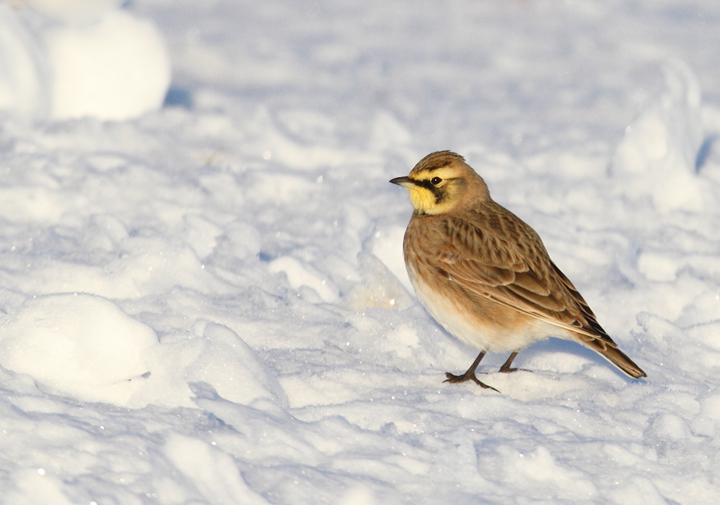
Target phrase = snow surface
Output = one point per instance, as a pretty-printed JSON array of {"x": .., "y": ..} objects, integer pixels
[
  {"x": 66, "y": 59},
  {"x": 208, "y": 304}
]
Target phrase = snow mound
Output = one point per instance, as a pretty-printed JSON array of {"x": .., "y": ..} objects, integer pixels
[
  {"x": 80, "y": 345},
  {"x": 85, "y": 347},
  {"x": 81, "y": 58},
  {"x": 117, "y": 68},
  {"x": 214, "y": 355},
  {"x": 657, "y": 156},
  {"x": 24, "y": 77},
  {"x": 212, "y": 471}
]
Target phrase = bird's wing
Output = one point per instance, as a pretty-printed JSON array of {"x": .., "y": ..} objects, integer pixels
[{"x": 517, "y": 274}]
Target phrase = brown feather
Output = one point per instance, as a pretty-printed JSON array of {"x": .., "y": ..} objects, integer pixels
[{"x": 491, "y": 265}]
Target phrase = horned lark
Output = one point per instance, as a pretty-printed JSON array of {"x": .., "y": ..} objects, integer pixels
[{"x": 485, "y": 275}]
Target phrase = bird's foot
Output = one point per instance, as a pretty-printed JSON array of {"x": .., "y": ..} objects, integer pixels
[
  {"x": 504, "y": 369},
  {"x": 456, "y": 379}
]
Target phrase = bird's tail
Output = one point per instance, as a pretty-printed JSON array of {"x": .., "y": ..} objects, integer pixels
[{"x": 614, "y": 356}]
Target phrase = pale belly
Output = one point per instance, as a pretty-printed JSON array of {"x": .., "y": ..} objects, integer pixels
[{"x": 476, "y": 331}]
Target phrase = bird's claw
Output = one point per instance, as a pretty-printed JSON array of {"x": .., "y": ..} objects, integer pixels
[{"x": 456, "y": 379}]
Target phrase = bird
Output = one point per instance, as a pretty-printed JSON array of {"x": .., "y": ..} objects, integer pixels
[{"x": 485, "y": 275}]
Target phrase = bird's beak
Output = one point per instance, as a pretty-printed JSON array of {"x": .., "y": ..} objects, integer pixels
[{"x": 403, "y": 181}]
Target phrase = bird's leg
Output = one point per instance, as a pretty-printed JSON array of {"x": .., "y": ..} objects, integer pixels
[
  {"x": 469, "y": 375},
  {"x": 506, "y": 366}
]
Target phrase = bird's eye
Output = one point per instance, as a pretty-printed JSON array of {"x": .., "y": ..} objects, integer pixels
[{"x": 435, "y": 181}]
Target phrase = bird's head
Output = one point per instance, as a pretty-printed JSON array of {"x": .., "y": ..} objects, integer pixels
[{"x": 442, "y": 181}]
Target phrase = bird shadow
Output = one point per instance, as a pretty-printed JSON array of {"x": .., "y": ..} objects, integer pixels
[{"x": 540, "y": 351}]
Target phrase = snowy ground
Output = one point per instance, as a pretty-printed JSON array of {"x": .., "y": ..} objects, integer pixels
[{"x": 208, "y": 304}]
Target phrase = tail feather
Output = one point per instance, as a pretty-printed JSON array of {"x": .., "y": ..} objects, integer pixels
[{"x": 615, "y": 356}]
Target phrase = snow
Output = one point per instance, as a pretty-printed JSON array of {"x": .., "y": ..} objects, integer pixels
[
  {"x": 24, "y": 78},
  {"x": 665, "y": 140},
  {"x": 82, "y": 346},
  {"x": 207, "y": 302},
  {"x": 115, "y": 68},
  {"x": 68, "y": 59},
  {"x": 75, "y": 12}
]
